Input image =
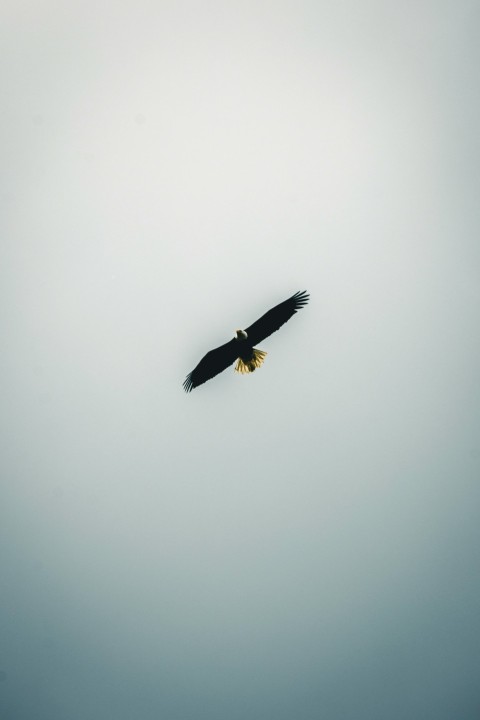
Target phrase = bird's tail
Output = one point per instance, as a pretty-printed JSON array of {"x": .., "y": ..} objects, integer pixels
[{"x": 249, "y": 366}]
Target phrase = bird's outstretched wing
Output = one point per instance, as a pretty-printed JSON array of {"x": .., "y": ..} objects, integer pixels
[
  {"x": 276, "y": 317},
  {"x": 213, "y": 363}
]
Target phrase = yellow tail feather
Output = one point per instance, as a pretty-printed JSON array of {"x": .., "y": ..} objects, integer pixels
[{"x": 250, "y": 365}]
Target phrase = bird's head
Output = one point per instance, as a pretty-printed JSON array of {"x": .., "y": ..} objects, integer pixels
[{"x": 241, "y": 335}]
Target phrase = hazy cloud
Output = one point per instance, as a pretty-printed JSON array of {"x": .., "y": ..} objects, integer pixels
[{"x": 302, "y": 543}]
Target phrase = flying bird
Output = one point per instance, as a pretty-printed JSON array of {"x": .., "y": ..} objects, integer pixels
[{"x": 240, "y": 348}]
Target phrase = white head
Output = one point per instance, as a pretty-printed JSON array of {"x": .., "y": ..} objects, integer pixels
[{"x": 241, "y": 335}]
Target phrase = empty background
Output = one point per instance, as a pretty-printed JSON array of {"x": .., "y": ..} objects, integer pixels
[{"x": 300, "y": 543}]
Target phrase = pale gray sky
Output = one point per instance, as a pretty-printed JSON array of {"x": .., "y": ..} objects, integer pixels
[{"x": 302, "y": 543}]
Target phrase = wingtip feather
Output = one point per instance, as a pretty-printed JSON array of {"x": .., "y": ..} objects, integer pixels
[{"x": 301, "y": 298}]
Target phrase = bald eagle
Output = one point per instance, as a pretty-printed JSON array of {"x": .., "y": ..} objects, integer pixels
[{"x": 240, "y": 348}]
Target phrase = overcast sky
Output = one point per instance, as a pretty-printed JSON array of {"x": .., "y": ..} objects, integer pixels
[{"x": 302, "y": 543}]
